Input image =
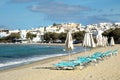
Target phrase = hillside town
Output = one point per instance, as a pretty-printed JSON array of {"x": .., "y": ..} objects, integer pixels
[{"x": 95, "y": 29}]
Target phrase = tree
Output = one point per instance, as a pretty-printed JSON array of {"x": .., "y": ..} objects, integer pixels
[
  {"x": 62, "y": 37},
  {"x": 113, "y": 33},
  {"x": 108, "y": 32},
  {"x": 4, "y": 39},
  {"x": 13, "y": 36},
  {"x": 54, "y": 24},
  {"x": 49, "y": 36},
  {"x": 54, "y": 36},
  {"x": 78, "y": 36},
  {"x": 116, "y": 34},
  {"x": 30, "y": 35}
]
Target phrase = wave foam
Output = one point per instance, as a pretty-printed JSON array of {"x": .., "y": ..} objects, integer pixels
[{"x": 28, "y": 60}]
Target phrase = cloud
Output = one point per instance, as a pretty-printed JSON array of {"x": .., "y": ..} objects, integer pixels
[
  {"x": 55, "y": 11},
  {"x": 26, "y": 1},
  {"x": 84, "y": 19},
  {"x": 60, "y": 12},
  {"x": 111, "y": 10},
  {"x": 94, "y": 19},
  {"x": 111, "y": 15},
  {"x": 100, "y": 10},
  {"x": 21, "y": 1},
  {"x": 57, "y": 8}
]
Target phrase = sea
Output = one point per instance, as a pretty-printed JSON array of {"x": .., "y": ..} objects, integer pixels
[{"x": 13, "y": 55}]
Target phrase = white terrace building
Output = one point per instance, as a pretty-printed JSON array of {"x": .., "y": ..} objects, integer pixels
[
  {"x": 105, "y": 26},
  {"x": 4, "y": 33},
  {"x": 117, "y": 24},
  {"x": 23, "y": 34}
]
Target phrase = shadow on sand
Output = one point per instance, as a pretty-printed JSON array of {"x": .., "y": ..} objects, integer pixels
[{"x": 50, "y": 68}]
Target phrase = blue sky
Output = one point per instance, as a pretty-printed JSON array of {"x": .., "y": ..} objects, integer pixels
[{"x": 25, "y": 14}]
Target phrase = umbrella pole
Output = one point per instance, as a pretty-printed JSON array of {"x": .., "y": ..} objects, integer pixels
[
  {"x": 85, "y": 50},
  {"x": 69, "y": 54}
]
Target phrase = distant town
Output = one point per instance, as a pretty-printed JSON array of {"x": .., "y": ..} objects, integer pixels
[{"x": 56, "y": 28}]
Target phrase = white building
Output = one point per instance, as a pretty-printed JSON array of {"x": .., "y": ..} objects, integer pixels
[
  {"x": 37, "y": 38},
  {"x": 4, "y": 33},
  {"x": 23, "y": 34},
  {"x": 14, "y": 31},
  {"x": 117, "y": 24}
]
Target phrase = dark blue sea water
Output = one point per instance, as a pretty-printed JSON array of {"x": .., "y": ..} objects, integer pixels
[{"x": 17, "y": 54}]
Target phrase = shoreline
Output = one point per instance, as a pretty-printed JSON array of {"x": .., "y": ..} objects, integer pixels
[
  {"x": 46, "y": 59},
  {"x": 38, "y": 70},
  {"x": 51, "y": 44},
  {"x": 36, "y": 62},
  {"x": 41, "y": 61},
  {"x": 32, "y": 63},
  {"x": 32, "y": 60}
]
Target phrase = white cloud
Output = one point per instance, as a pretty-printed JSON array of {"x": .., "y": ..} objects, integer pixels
[{"x": 58, "y": 8}]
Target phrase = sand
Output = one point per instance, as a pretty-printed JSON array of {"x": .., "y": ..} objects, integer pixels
[{"x": 108, "y": 69}]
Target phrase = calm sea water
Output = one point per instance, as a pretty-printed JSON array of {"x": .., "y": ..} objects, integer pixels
[{"x": 12, "y": 55}]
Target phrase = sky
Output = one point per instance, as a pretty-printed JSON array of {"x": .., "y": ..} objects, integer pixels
[{"x": 27, "y": 14}]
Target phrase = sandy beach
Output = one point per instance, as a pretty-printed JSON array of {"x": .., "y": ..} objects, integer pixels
[{"x": 108, "y": 69}]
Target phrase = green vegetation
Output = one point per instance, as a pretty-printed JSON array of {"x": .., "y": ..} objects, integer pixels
[
  {"x": 14, "y": 36},
  {"x": 62, "y": 37},
  {"x": 49, "y": 36},
  {"x": 30, "y": 35},
  {"x": 10, "y": 38},
  {"x": 113, "y": 33},
  {"x": 78, "y": 36}
]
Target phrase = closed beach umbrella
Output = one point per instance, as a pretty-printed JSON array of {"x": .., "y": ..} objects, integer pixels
[
  {"x": 104, "y": 41},
  {"x": 86, "y": 41},
  {"x": 69, "y": 43},
  {"x": 112, "y": 43},
  {"x": 92, "y": 41},
  {"x": 99, "y": 40}
]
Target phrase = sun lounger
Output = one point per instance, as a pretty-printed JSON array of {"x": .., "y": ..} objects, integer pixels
[
  {"x": 83, "y": 61},
  {"x": 115, "y": 52},
  {"x": 107, "y": 53},
  {"x": 65, "y": 65}
]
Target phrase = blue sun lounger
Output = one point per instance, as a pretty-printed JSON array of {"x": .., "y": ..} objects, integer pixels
[
  {"x": 106, "y": 54},
  {"x": 83, "y": 61},
  {"x": 114, "y": 52},
  {"x": 66, "y": 65}
]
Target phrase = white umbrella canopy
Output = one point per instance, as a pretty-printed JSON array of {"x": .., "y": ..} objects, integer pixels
[
  {"x": 88, "y": 40},
  {"x": 69, "y": 43},
  {"x": 112, "y": 43},
  {"x": 105, "y": 41},
  {"x": 92, "y": 41},
  {"x": 99, "y": 40}
]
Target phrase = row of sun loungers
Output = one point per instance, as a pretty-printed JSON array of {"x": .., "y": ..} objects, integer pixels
[{"x": 83, "y": 61}]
